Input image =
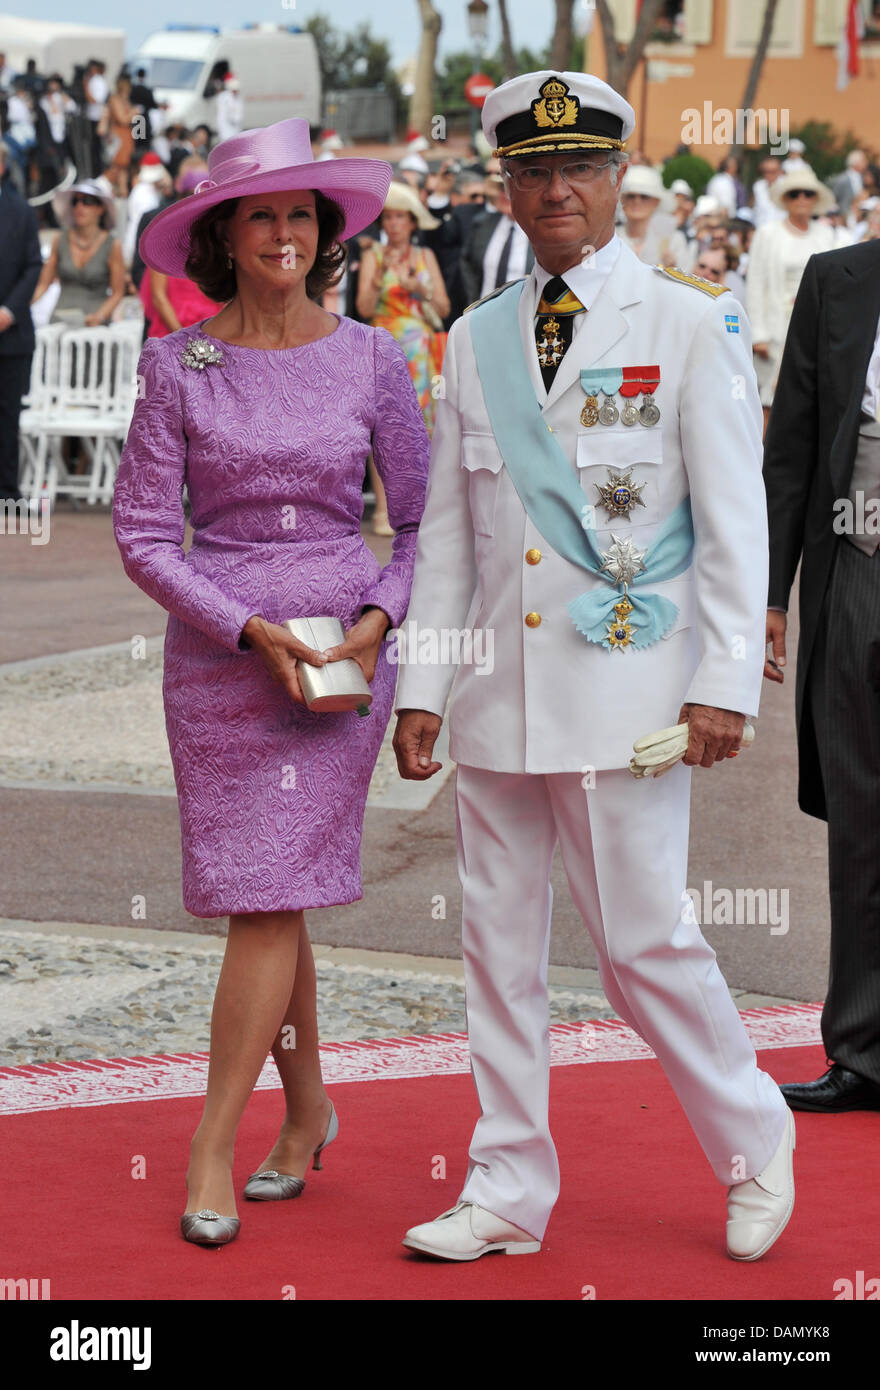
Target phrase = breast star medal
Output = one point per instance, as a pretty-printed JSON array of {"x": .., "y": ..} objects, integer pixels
[
  {"x": 620, "y": 494},
  {"x": 551, "y": 346},
  {"x": 622, "y": 561},
  {"x": 619, "y": 633}
]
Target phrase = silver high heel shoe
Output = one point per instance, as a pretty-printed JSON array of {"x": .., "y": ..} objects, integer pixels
[
  {"x": 207, "y": 1227},
  {"x": 272, "y": 1186}
]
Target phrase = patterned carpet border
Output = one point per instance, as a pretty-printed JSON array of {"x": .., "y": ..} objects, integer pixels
[{"x": 114, "y": 1081}]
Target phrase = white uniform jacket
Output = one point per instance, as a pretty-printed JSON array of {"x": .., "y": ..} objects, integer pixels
[{"x": 549, "y": 700}]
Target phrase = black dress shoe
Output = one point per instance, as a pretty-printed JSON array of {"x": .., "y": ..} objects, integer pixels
[{"x": 836, "y": 1091}]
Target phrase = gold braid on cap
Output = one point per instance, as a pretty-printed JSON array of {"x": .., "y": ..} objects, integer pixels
[{"x": 548, "y": 144}]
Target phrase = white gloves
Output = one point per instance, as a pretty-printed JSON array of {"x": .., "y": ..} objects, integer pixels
[{"x": 657, "y": 753}]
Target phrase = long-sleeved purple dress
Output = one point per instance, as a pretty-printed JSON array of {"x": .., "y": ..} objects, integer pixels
[{"x": 272, "y": 446}]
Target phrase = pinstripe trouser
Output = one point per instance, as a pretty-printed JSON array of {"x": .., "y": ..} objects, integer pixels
[{"x": 843, "y": 687}]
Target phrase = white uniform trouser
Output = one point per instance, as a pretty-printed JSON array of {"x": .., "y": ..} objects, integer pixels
[{"x": 624, "y": 845}]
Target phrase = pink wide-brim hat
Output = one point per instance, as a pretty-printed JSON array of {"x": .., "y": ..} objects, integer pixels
[{"x": 272, "y": 159}]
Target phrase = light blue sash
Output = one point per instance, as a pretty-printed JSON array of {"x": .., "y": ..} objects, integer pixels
[{"x": 549, "y": 490}]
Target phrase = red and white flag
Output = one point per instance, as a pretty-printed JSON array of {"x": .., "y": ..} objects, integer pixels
[{"x": 848, "y": 48}]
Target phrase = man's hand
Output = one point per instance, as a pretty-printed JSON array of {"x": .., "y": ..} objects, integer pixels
[
  {"x": 776, "y": 625},
  {"x": 6, "y": 320},
  {"x": 761, "y": 349},
  {"x": 714, "y": 734},
  {"x": 413, "y": 742}
]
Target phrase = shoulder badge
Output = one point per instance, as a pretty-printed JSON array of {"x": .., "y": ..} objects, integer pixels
[
  {"x": 492, "y": 294},
  {"x": 682, "y": 276}
]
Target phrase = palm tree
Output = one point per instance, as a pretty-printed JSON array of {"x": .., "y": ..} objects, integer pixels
[
  {"x": 421, "y": 108},
  {"x": 754, "y": 77}
]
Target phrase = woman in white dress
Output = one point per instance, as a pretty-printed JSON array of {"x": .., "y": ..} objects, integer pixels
[{"x": 778, "y": 255}]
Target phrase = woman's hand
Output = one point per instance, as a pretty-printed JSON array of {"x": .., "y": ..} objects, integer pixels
[
  {"x": 761, "y": 349},
  {"x": 363, "y": 641},
  {"x": 93, "y": 320},
  {"x": 279, "y": 651}
]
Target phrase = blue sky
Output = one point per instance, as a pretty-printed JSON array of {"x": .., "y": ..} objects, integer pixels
[{"x": 395, "y": 20}]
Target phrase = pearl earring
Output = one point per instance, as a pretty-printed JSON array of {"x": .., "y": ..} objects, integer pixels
[{"x": 228, "y": 260}]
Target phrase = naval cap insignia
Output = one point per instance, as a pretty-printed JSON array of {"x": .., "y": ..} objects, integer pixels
[{"x": 554, "y": 107}]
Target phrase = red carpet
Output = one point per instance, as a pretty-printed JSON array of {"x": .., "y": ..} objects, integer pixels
[{"x": 640, "y": 1216}]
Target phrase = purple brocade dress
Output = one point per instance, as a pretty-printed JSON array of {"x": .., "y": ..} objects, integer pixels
[{"x": 272, "y": 446}]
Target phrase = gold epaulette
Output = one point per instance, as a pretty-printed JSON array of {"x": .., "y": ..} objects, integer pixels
[
  {"x": 492, "y": 294},
  {"x": 683, "y": 278}
]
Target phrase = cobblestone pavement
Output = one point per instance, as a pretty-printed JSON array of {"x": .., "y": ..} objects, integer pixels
[
  {"x": 71, "y": 996},
  {"x": 95, "y": 719}
]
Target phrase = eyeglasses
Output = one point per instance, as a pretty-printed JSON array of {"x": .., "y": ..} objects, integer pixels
[
  {"x": 535, "y": 176},
  {"x": 475, "y": 197},
  {"x": 708, "y": 270},
  {"x": 800, "y": 193},
  {"x": 84, "y": 200}
]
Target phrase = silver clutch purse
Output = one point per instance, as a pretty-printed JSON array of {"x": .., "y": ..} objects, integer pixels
[{"x": 337, "y": 686}]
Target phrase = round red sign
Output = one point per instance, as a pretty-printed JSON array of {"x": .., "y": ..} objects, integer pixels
[{"x": 477, "y": 88}]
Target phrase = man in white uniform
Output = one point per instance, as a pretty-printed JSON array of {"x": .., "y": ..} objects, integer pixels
[{"x": 595, "y": 501}]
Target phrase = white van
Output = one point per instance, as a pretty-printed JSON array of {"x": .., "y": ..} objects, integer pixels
[{"x": 276, "y": 66}]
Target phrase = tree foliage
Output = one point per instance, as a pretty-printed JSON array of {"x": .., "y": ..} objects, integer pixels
[{"x": 354, "y": 58}]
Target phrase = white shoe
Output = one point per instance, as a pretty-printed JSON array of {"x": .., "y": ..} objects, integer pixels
[
  {"x": 466, "y": 1232},
  {"x": 758, "y": 1210}
]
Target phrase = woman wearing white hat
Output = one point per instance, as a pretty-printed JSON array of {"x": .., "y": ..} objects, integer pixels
[
  {"x": 649, "y": 226},
  {"x": 86, "y": 256},
  {"x": 777, "y": 258}
]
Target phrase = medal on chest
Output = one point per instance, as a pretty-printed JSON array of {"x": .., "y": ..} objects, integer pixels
[
  {"x": 550, "y": 346},
  {"x": 620, "y": 494}
]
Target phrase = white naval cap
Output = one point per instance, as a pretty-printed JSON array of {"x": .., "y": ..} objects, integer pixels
[{"x": 549, "y": 112}]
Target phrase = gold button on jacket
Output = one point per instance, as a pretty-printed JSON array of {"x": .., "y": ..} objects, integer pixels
[
  {"x": 533, "y": 557},
  {"x": 532, "y": 619}
]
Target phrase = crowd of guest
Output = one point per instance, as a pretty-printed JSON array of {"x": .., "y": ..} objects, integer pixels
[{"x": 445, "y": 238}]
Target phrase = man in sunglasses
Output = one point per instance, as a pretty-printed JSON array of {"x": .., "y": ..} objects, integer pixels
[{"x": 595, "y": 504}]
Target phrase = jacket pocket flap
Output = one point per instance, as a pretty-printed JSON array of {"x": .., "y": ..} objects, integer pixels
[{"x": 480, "y": 451}]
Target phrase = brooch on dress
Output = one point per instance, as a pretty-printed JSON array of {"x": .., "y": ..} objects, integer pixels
[{"x": 200, "y": 354}]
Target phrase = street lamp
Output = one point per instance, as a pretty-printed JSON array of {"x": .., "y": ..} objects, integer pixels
[
  {"x": 478, "y": 31},
  {"x": 478, "y": 21}
]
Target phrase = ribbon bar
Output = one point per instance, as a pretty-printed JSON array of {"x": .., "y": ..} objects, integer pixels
[{"x": 638, "y": 379}]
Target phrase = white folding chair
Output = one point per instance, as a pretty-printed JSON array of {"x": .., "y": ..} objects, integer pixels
[
  {"x": 125, "y": 349},
  {"x": 37, "y": 406},
  {"x": 84, "y": 409}
]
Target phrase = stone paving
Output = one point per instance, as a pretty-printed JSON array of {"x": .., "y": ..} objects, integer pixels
[{"x": 69, "y": 995}]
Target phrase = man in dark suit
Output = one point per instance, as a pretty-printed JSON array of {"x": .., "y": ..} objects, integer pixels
[
  {"x": 497, "y": 249},
  {"x": 822, "y": 473},
  {"x": 20, "y": 266}
]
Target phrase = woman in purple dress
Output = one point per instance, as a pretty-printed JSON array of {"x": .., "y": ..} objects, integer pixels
[{"x": 267, "y": 413}]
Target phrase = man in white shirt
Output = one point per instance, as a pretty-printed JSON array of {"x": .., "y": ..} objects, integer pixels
[
  {"x": 507, "y": 251},
  {"x": 97, "y": 93},
  {"x": 765, "y": 208},
  {"x": 230, "y": 110}
]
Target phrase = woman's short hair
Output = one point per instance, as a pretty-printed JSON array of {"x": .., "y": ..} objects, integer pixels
[{"x": 207, "y": 266}]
